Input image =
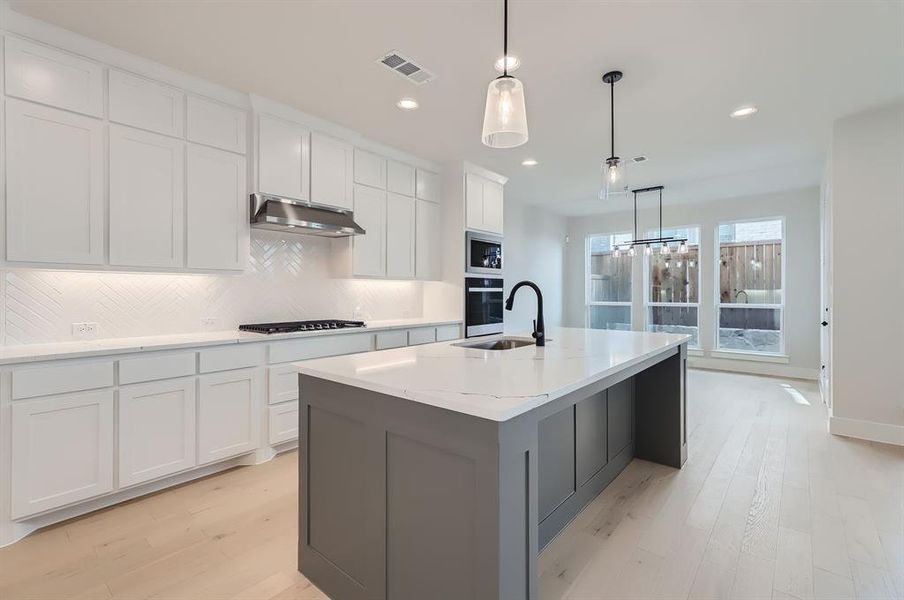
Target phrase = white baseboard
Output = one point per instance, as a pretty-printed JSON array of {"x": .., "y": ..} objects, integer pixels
[
  {"x": 756, "y": 368},
  {"x": 867, "y": 430}
]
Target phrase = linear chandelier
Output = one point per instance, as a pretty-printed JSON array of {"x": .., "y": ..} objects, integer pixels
[{"x": 664, "y": 242}]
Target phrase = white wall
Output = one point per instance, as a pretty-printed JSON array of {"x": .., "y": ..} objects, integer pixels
[
  {"x": 287, "y": 279},
  {"x": 867, "y": 326},
  {"x": 534, "y": 250},
  {"x": 802, "y": 313}
]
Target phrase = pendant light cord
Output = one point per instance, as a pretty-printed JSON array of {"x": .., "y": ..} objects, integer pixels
[
  {"x": 660, "y": 214},
  {"x": 505, "y": 38},
  {"x": 611, "y": 118}
]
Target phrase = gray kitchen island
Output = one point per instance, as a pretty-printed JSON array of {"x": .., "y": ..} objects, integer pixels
[{"x": 441, "y": 471}]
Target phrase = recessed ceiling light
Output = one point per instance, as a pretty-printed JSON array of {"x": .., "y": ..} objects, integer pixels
[
  {"x": 742, "y": 112},
  {"x": 407, "y": 104},
  {"x": 513, "y": 63},
  {"x": 529, "y": 162}
]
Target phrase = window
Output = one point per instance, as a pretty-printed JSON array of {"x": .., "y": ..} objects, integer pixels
[
  {"x": 608, "y": 282},
  {"x": 673, "y": 286},
  {"x": 751, "y": 284}
]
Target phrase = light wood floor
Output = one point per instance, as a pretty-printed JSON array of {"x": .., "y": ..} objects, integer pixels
[{"x": 768, "y": 506}]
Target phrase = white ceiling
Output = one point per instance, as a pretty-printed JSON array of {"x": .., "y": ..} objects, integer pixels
[{"x": 687, "y": 65}]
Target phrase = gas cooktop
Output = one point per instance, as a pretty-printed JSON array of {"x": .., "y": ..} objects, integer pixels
[{"x": 293, "y": 326}]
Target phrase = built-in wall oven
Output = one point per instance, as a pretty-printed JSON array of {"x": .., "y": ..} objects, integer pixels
[
  {"x": 483, "y": 306},
  {"x": 484, "y": 254}
]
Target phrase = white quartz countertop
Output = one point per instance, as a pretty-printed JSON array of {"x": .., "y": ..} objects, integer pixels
[
  {"x": 494, "y": 384},
  {"x": 104, "y": 347}
]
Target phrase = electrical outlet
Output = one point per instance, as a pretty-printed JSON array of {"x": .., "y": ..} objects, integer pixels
[
  {"x": 208, "y": 322},
  {"x": 85, "y": 331}
]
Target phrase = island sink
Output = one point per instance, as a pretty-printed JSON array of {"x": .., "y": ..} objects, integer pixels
[
  {"x": 506, "y": 343},
  {"x": 435, "y": 472}
]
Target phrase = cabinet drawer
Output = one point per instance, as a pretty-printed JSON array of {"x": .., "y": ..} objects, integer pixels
[
  {"x": 226, "y": 358},
  {"x": 318, "y": 347},
  {"x": 445, "y": 333},
  {"x": 57, "y": 379},
  {"x": 146, "y": 104},
  {"x": 217, "y": 125},
  {"x": 49, "y": 76},
  {"x": 283, "y": 422},
  {"x": 370, "y": 169},
  {"x": 152, "y": 368},
  {"x": 62, "y": 451},
  {"x": 392, "y": 339},
  {"x": 421, "y": 335},
  {"x": 282, "y": 384}
]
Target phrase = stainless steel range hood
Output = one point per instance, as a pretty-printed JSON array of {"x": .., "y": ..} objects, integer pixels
[{"x": 296, "y": 216}]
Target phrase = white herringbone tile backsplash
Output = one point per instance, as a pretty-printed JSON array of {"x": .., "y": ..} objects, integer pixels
[{"x": 286, "y": 279}]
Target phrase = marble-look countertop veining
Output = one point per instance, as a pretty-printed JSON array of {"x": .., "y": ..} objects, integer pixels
[
  {"x": 103, "y": 347},
  {"x": 494, "y": 384}
]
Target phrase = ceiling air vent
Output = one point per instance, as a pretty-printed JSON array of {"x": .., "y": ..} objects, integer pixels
[
  {"x": 639, "y": 159},
  {"x": 404, "y": 67}
]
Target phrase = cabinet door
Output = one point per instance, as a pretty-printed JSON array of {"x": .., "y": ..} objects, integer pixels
[
  {"x": 49, "y": 76},
  {"x": 492, "y": 207},
  {"x": 473, "y": 201},
  {"x": 62, "y": 451},
  {"x": 156, "y": 429},
  {"x": 429, "y": 240},
  {"x": 400, "y": 178},
  {"x": 146, "y": 198},
  {"x": 427, "y": 187},
  {"x": 370, "y": 169},
  {"x": 399, "y": 236},
  {"x": 229, "y": 412},
  {"x": 331, "y": 171},
  {"x": 590, "y": 436},
  {"x": 284, "y": 158},
  {"x": 58, "y": 218},
  {"x": 217, "y": 209},
  {"x": 620, "y": 424},
  {"x": 146, "y": 104},
  {"x": 215, "y": 124},
  {"x": 369, "y": 250},
  {"x": 555, "y": 456}
]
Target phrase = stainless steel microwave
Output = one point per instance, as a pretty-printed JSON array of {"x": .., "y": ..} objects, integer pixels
[{"x": 484, "y": 254}]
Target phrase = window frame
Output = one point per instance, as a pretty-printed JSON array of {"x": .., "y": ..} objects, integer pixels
[
  {"x": 647, "y": 304},
  {"x": 588, "y": 287},
  {"x": 717, "y": 297}
]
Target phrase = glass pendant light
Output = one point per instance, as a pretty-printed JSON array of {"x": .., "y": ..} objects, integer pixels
[
  {"x": 665, "y": 250},
  {"x": 631, "y": 251},
  {"x": 505, "y": 118},
  {"x": 614, "y": 168},
  {"x": 648, "y": 251},
  {"x": 682, "y": 248}
]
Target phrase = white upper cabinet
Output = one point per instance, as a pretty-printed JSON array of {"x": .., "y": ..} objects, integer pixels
[
  {"x": 284, "y": 158},
  {"x": 369, "y": 250},
  {"x": 146, "y": 104},
  {"x": 492, "y": 206},
  {"x": 217, "y": 209},
  {"x": 370, "y": 169},
  {"x": 427, "y": 186},
  {"x": 400, "y": 178},
  {"x": 429, "y": 240},
  {"x": 483, "y": 204},
  {"x": 331, "y": 171},
  {"x": 400, "y": 235},
  {"x": 215, "y": 124},
  {"x": 50, "y": 76},
  {"x": 58, "y": 218},
  {"x": 147, "y": 183}
]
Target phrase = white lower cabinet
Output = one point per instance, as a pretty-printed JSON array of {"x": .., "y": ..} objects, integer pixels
[
  {"x": 156, "y": 429},
  {"x": 62, "y": 450},
  {"x": 283, "y": 422},
  {"x": 229, "y": 409}
]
